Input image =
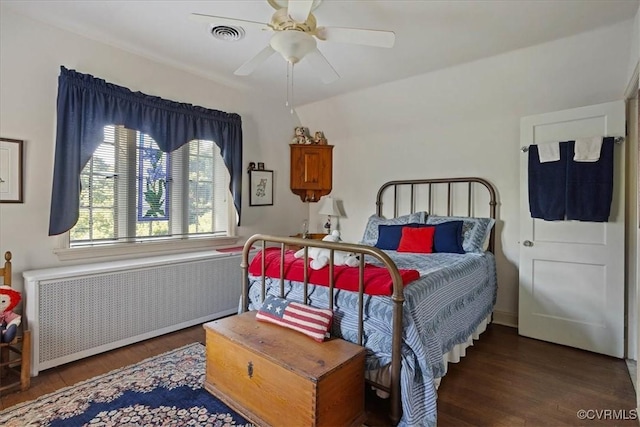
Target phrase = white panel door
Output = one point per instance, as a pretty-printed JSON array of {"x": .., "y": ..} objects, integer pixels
[{"x": 572, "y": 272}]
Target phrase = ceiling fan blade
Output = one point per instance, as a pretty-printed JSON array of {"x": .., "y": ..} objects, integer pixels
[
  {"x": 250, "y": 66},
  {"x": 299, "y": 10},
  {"x": 376, "y": 38},
  {"x": 221, "y": 20},
  {"x": 322, "y": 66}
]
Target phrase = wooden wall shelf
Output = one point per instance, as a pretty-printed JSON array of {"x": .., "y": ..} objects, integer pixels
[{"x": 311, "y": 171}]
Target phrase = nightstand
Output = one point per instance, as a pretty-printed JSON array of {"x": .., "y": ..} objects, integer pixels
[{"x": 313, "y": 236}]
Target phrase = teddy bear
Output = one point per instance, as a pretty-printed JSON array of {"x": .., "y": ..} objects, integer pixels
[
  {"x": 301, "y": 136},
  {"x": 320, "y": 256},
  {"x": 319, "y": 138},
  {"x": 9, "y": 321}
]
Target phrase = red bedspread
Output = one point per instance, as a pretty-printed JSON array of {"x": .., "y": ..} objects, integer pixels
[{"x": 377, "y": 280}]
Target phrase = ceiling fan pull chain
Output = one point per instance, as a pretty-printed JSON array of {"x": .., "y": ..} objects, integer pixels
[
  {"x": 287, "y": 102},
  {"x": 292, "y": 95}
]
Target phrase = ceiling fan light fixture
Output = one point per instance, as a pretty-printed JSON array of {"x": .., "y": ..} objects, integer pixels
[{"x": 293, "y": 45}]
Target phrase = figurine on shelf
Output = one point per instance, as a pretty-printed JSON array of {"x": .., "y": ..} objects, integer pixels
[
  {"x": 319, "y": 138},
  {"x": 301, "y": 136}
]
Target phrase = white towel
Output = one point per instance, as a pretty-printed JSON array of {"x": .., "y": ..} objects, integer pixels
[
  {"x": 549, "y": 152},
  {"x": 587, "y": 149}
]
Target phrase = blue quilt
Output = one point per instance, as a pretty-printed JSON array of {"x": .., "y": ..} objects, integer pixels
[{"x": 454, "y": 294}]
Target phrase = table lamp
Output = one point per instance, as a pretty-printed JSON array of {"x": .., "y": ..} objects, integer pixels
[{"x": 331, "y": 207}]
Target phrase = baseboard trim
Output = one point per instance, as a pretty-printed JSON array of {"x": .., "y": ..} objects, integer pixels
[{"x": 505, "y": 318}]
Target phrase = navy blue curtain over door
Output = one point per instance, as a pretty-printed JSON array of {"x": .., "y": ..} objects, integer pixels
[{"x": 87, "y": 104}]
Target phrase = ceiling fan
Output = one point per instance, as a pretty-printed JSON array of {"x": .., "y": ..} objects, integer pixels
[{"x": 295, "y": 33}]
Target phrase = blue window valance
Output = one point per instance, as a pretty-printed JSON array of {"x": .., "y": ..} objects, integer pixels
[{"x": 87, "y": 104}]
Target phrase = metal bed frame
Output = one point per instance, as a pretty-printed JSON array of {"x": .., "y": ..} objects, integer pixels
[{"x": 361, "y": 250}]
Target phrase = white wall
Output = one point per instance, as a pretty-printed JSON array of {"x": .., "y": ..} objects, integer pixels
[
  {"x": 31, "y": 54},
  {"x": 634, "y": 49},
  {"x": 464, "y": 121}
]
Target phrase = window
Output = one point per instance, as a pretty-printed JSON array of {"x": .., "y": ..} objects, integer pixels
[
  {"x": 87, "y": 104},
  {"x": 134, "y": 192}
]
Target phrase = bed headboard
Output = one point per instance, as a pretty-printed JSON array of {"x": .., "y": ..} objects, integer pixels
[{"x": 468, "y": 196}]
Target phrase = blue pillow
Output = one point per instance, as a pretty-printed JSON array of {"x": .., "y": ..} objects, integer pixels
[
  {"x": 448, "y": 237},
  {"x": 475, "y": 231},
  {"x": 370, "y": 236},
  {"x": 389, "y": 235}
]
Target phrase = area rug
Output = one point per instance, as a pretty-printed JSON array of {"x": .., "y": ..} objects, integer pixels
[{"x": 165, "y": 390}]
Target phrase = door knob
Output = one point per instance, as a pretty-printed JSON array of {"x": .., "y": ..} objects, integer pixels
[{"x": 527, "y": 243}]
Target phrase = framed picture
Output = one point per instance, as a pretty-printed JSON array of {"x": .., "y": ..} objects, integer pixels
[
  {"x": 260, "y": 188},
  {"x": 261, "y": 166},
  {"x": 11, "y": 170}
]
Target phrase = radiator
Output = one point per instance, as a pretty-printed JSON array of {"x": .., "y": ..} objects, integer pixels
[{"x": 75, "y": 312}]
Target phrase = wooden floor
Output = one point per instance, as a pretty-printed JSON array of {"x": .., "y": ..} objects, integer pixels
[{"x": 505, "y": 380}]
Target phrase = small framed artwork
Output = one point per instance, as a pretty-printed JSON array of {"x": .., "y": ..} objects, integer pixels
[
  {"x": 261, "y": 188},
  {"x": 260, "y": 166},
  {"x": 11, "y": 157}
]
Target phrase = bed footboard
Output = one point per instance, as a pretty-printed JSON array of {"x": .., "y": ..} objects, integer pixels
[{"x": 264, "y": 241}]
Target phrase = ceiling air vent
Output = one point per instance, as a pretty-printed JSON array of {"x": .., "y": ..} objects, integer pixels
[{"x": 227, "y": 33}]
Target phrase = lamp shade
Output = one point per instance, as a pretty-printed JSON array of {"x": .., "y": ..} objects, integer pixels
[{"x": 331, "y": 207}]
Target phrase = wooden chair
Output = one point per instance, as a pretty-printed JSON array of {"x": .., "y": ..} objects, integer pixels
[{"x": 14, "y": 371}]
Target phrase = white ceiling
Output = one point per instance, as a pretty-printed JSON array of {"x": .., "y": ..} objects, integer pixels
[{"x": 430, "y": 35}]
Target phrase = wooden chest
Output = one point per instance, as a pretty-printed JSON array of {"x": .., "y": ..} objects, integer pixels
[{"x": 275, "y": 376}]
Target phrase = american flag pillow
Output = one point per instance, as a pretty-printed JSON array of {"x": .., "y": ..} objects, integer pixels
[{"x": 311, "y": 321}]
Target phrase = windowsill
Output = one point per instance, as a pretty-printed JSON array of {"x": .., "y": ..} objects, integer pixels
[{"x": 145, "y": 249}]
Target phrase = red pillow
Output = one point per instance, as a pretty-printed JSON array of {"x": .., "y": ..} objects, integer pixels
[{"x": 417, "y": 240}]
